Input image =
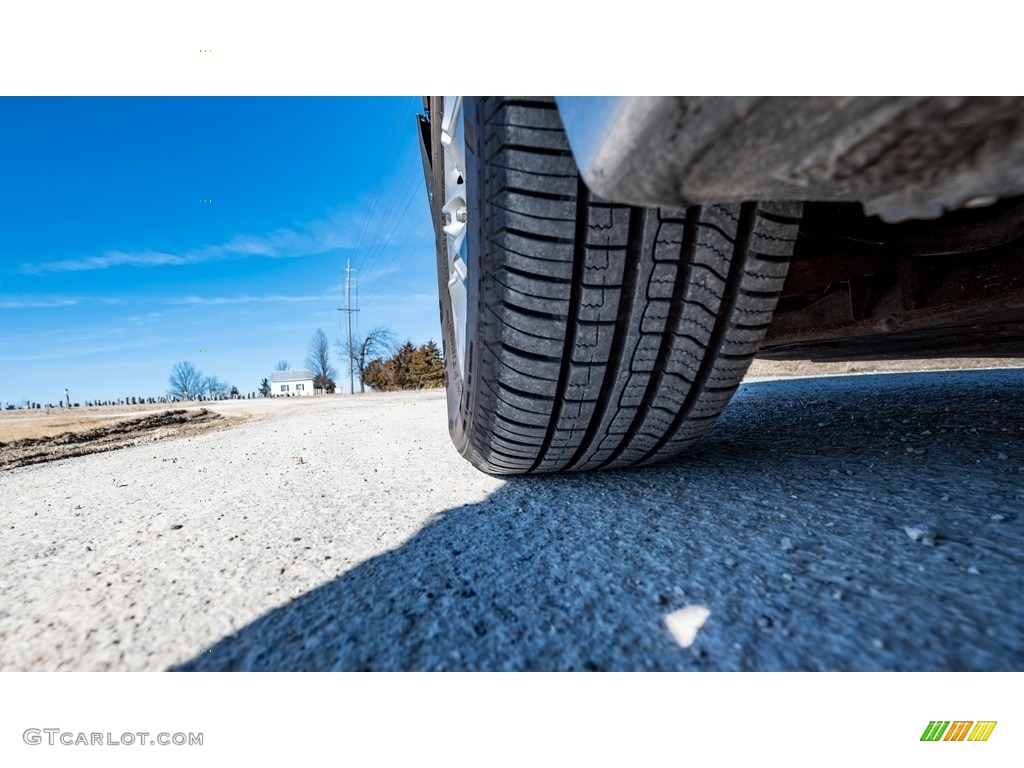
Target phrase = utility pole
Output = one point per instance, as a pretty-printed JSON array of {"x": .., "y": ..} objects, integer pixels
[{"x": 348, "y": 309}]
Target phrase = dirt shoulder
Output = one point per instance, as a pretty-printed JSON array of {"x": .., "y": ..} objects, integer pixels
[
  {"x": 84, "y": 439},
  {"x": 37, "y": 436}
]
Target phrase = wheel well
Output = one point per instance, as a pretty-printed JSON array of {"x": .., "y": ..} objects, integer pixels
[{"x": 862, "y": 288}]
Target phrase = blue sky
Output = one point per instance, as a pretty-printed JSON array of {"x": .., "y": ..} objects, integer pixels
[{"x": 113, "y": 267}]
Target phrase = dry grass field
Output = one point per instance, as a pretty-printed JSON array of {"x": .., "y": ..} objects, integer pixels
[
  {"x": 39, "y": 423},
  {"x": 35, "y": 436}
]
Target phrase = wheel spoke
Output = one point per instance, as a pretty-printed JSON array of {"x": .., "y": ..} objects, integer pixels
[{"x": 455, "y": 214}]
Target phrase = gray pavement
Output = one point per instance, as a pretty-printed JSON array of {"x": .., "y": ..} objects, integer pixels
[{"x": 855, "y": 523}]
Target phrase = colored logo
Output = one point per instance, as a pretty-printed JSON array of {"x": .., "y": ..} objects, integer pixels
[{"x": 958, "y": 730}]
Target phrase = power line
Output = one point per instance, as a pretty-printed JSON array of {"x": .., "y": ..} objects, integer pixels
[
  {"x": 375, "y": 195},
  {"x": 414, "y": 249},
  {"x": 380, "y": 245},
  {"x": 400, "y": 199}
]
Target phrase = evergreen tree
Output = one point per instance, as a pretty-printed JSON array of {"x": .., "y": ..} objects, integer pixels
[{"x": 426, "y": 369}]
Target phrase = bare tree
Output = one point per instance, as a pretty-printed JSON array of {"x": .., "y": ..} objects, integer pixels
[
  {"x": 378, "y": 343},
  {"x": 186, "y": 382},
  {"x": 214, "y": 387},
  {"x": 319, "y": 361},
  {"x": 282, "y": 365}
]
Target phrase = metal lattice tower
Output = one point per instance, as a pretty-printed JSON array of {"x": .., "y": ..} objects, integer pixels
[{"x": 348, "y": 309}]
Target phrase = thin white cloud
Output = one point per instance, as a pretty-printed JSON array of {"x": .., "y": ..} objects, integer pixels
[
  {"x": 38, "y": 303},
  {"x": 107, "y": 260},
  {"x": 217, "y": 300},
  {"x": 312, "y": 238},
  {"x": 53, "y": 302},
  {"x": 61, "y": 352},
  {"x": 403, "y": 299},
  {"x": 144, "y": 318}
]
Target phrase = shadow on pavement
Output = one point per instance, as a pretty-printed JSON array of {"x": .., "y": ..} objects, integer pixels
[{"x": 787, "y": 524}]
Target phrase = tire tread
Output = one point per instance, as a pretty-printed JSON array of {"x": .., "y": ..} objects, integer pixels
[{"x": 609, "y": 335}]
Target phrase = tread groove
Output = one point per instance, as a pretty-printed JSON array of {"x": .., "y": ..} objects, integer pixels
[
  {"x": 534, "y": 236},
  {"x": 656, "y": 380},
  {"x": 637, "y": 218},
  {"x": 575, "y": 294},
  {"x": 732, "y": 290}
]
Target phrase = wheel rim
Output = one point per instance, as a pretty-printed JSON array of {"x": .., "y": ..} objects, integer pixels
[{"x": 455, "y": 215}]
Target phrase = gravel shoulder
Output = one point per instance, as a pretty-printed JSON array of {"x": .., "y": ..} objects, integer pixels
[{"x": 863, "y": 522}]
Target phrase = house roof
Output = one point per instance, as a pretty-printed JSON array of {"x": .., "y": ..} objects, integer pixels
[{"x": 284, "y": 376}]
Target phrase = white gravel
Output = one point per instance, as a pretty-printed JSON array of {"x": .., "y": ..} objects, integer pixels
[{"x": 139, "y": 558}]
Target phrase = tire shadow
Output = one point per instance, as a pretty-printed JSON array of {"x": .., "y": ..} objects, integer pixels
[{"x": 787, "y": 524}]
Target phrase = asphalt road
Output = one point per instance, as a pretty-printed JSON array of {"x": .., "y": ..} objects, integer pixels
[{"x": 856, "y": 523}]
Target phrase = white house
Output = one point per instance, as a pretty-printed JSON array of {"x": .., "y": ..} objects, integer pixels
[{"x": 291, "y": 383}]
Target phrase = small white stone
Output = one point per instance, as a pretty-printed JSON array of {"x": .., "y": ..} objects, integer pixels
[
  {"x": 921, "y": 534},
  {"x": 686, "y": 622}
]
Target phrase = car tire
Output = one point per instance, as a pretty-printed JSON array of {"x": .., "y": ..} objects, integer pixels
[{"x": 593, "y": 335}]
